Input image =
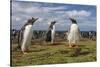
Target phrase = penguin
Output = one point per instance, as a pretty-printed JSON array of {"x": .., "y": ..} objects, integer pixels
[
  {"x": 51, "y": 32},
  {"x": 25, "y": 35},
  {"x": 73, "y": 33}
]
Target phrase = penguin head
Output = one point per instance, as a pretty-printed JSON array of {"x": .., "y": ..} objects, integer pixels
[
  {"x": 53, "y": 22},
  {"x": 73, "y": 20},
  {"x": 32, "y": 20},
  {"x": 51, "y": 25}
]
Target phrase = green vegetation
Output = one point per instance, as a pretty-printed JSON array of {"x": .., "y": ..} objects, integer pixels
[{"x": 58, "y": 53}]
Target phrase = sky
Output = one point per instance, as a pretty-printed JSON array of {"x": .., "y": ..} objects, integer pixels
[{"x": 21, "y": 11}]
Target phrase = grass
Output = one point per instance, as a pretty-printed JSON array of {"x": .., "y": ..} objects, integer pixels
[{"x": 58, "y": 53}]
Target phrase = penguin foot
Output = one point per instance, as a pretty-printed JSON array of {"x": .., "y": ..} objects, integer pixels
[
  {"x": 73, "y": 45},
  {"x": 70, "y": 46},
  {"x": 25, "y": 53}
]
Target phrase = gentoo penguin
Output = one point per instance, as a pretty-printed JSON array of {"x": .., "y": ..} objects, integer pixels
[
  {"x": 73, "y": 34},
  {"x": 51, "y": 32},
  {"x": 25, "y": 35}
]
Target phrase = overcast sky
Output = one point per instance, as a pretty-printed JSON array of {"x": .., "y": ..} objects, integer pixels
[{"x": 47, "y": 12}]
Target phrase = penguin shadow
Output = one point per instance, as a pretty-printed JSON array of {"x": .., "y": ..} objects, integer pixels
[
  {"x": 84, "y": 53},
  {"x": 84, "y": 50},
  {"x": 78, "y": 51}
]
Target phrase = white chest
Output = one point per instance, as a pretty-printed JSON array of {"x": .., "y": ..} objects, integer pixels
[
  {"x": 28, "y": 31},
  {"x": 28, "y": 27},
  {"x": 53, "y": 30},
  {"x": 74, "y": 27}
]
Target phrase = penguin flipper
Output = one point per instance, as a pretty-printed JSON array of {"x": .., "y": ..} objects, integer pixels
[
  {"x": 48, "y": 36},
  {"x": 20, "y": 37}
]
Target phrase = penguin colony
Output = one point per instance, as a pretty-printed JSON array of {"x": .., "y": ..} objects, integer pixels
[{"x": 25, "y": 34}]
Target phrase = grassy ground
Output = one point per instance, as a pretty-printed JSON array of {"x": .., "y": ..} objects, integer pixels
[{"x": 57, "y": 53}]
